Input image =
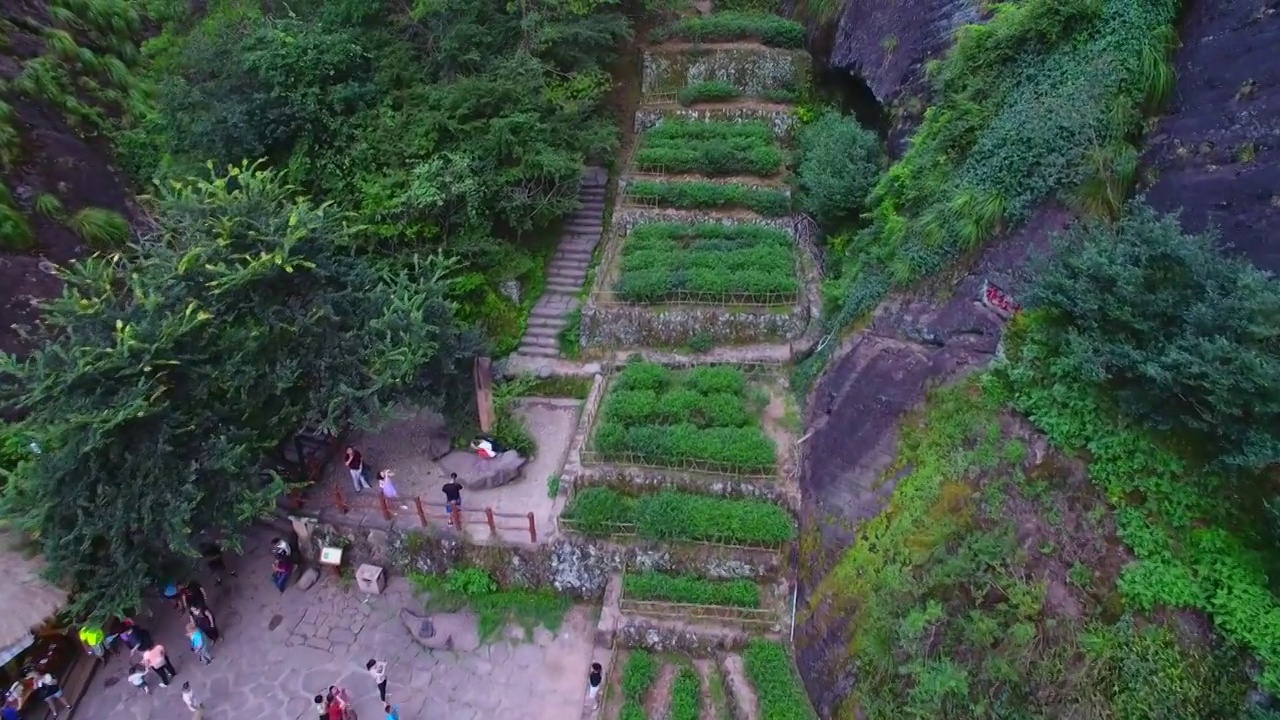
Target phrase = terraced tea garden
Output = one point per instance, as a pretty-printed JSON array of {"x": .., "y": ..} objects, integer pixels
[{"x": 705, "y": 248}]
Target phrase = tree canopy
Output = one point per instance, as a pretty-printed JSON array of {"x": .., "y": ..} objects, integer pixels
[
  {"x": 170, "y": 370},
  {"x": 1179, "y": 334}
]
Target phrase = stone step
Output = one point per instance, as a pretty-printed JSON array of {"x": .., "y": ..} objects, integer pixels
[
  {"x": 551, "y": 322},
  {"x": 565, "y": 287},
  {"x": 578, "y": 253},
  {"x": 538, "y": 351},
  {"x": 547, "y": 341},
  {"x": 586, "y": 225},
  {"x": 561, "y": 260},
  {"x": 573, "y": 277}
]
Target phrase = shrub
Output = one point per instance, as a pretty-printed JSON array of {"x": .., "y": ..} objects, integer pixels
[
  {"x": 100, "y": 228},
  {"x": 707, "y": 263},
  {"x": 667, "y": 422},
  {"x": 777, "y": 686},
  {"x": 770, "y": 30},
  {"x": 697, "y": 194},
  {"x": 495, "y": 608},
  {"x": 710, "y": 148},
  {"x": 692, "y": 590},
  {"x": 686, "y": 695},
  {"x": 15, "y": 232},
  {"x": 1180, "y": 335},
  {"x": 48, "y": 205},
  {"x": 839, "y": 163},
  {"x": 680, "y": 516},
  {"x": 708, "y": 91}
]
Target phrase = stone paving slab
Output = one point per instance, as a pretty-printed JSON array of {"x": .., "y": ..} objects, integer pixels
[{"x": 278, "y": 651}]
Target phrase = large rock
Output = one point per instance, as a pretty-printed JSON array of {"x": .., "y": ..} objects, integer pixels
[{"x": 477, "y": 473}]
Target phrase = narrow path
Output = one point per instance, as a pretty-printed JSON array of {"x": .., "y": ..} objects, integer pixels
[
  {"x": 711, "y": 699},
  {"x": 742, "y": 696},
  {"x": 568, "y": 269},
  {"x": 658, "y": 704}
]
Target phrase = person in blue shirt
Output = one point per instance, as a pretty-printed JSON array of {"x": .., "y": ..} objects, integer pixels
[
  {"x": 393, "y": 713},
  {"x": 9, "y": 711}
]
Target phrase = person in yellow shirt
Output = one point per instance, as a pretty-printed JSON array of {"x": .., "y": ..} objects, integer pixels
[{"x": 94, "y": 640}]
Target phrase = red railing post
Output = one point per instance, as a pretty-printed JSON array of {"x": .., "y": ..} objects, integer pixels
[
  {"x": 533, "y": 530},
  {"x": 455, "y": 518},
  {"x": 422, "y": 514},
  {"x": 488, "y": 515},
  {"x": 337, "y": 495},
  {"x": 386, "y": 509}
]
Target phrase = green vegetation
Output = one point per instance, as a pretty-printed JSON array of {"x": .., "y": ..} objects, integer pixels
[
  {"x": 686, "y": 695},
  {"x": 777, "y": 686},
  {"x": 1173, "y": 451},
  {"x": 570, "y": 336},
  {"x": 711, "y": 148},
  {"x": 709, "y": 263},
  {"x": 475, "y": 589},
  {"x": 48, "y": 205},
  {"x": 703, "y": 417},
  {"x": 677, "y": 516},
  {"x": 691, "y": 590},
  {"x": 101, "y": 229},
  {"x": 839, "y": 161},
  {"x": 1044, "y": 100},
  {"x": 637, "y": 677},
  {"x": 560, "y": 386},
  {"x": 702, "y": 194},
  {"x": 161, "y": 363},
  {"x": 764, "y": 28},
  {"x": 750, "y": 6},
  {"x": 15, "y": 231},
  {"x": 718, "y": 91}
]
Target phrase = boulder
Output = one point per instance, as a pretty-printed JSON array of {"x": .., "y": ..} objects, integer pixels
[{"x": 476, "y": 473}]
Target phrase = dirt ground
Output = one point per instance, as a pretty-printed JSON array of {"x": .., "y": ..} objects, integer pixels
[{"x": 400, "y": 445}]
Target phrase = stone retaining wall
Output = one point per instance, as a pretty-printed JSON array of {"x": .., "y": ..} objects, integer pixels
[
  {"x": 782, "y": 120},
  {"x": 752, "y": 70},
  {"x": 631, "y": 480}
]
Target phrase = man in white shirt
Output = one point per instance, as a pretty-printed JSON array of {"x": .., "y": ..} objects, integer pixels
[{"x": 378, "y": 669}]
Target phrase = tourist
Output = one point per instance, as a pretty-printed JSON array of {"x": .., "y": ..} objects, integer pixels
[
  {"x": 47, "y": 689},
  {"x": 94, "y": 640},
  {"x": 138, "y": 678},
  {"x": 384, "y": 483},
  {"x": 594, "y": 678},
  {"x": 203, "y": 618},
  {"x": 212, "y": 554},
  {"x": 322, "y": 707},
  {"x": 157, "y": 659},
  {"x": 192, "y": 596},
  {"x": 136, "y": 637},
  {"x": 378, "y": 669},
  {"x": 280, "y": 572},
  {"x": 487, "y": 447},
  {"x": 392, "y": 713},
  {"x": 342, "y": 702},
  {"x": 452, "y": 494},
  {"x": 10, "y": 709},
  {"x": 200, "y": 644},
  {"x": 355, "y": 466},
  {"x": 189, "y": 697}
]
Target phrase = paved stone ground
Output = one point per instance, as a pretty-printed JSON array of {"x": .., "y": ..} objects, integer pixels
[
  {"x": 398, "y": 445},
  {"x": 278, "y": 651}
]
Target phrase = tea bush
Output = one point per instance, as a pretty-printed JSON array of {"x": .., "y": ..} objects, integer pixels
[
  {"x": 692, "y": 590},
  {"x": 678, "y": 516},
  {"x": 700, "y": 194},
  {"x": 719, "y": 91},
  {"x": 839, "y": 162},
  {"x": 710, "y": 148},
  {"x": 709, "y": 263},
  {"x": 770, "y": 30},
  {"x": 670, "y": 423},
  {"x": 777, "y": 685},
  {"x": 637, "y": 677},
  {"x": 686, "y": 695}
]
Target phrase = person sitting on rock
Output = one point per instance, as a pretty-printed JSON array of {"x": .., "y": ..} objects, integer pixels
[{"x": 487, "y": 447}]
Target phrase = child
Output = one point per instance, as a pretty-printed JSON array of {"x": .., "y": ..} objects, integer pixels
[
  {"x": 384, "y": 483},
  {"x": 594, "y": 679},
  {"x": 138, "y": 678},
  {"x": 322, "y": 707},
  {"x": 189, "y": 697},
  {"x": 392, "y": 713},
  {"x": 200, "y": 644}
]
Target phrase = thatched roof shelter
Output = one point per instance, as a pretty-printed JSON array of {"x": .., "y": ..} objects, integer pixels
[{"x": 26, "y": 598}]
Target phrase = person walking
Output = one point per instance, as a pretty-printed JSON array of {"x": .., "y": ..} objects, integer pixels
[
  {"x": 322, "y": 707},
  {"x": 94, "y": 641},
  {"x": 281, "y": 570},
  {"x": 138, "y": 678},
  {"x": 192, "y": 596},
  {"x": 189, "y": 697},
  {"x": 136, "y": 637},
  {"x": 378, "y": 670},
  {"x": 51, "y": 692},
  {"x": 393, "y": 713},
  {"x": 212, "y": 554},
  {"x": 200, "y": 644},
  {"x": 594, "y": 679},
  {"x": 355, "y": 466},
  {"x": 203, "y": 618},
  {"x": 157, "y": 659},
  {"x": 452, "y": 494}
]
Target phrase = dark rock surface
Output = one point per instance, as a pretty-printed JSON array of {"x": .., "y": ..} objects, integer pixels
[
  {"x": 888, "y": 43},
  {"x": 913, "y": 343},
  {"x": 476, "y": 473},
  {"x": 1214, "y": 154}
]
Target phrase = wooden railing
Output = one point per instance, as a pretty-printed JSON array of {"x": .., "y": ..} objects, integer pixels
[{"x": 428, "y": 512}]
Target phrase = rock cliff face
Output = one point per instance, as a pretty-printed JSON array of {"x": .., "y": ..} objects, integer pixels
[
  {"x": 1214, "y": 153},
  {"x": 887, "y": 44}
]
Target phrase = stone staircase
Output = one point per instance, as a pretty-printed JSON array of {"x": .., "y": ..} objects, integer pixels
[{"x": 568, "y": 269}]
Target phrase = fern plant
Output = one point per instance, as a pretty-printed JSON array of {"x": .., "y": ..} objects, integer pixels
[
  {"x": 100, "y": 227},
  {"x": 48, "y": 205}
]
